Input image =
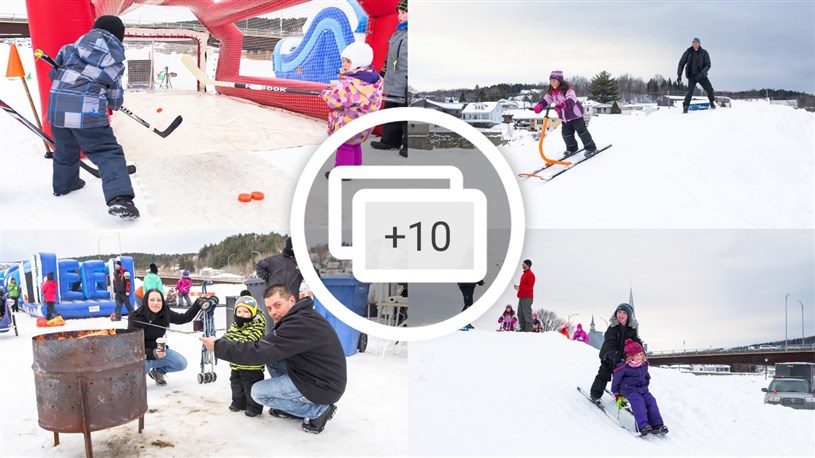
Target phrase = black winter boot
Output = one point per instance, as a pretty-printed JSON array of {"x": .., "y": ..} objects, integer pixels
[
  {"x": 317, "y": 425},
  {"x": 123, "y": 207}
]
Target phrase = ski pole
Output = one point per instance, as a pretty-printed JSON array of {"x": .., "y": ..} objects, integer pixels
[{"x": 162, "y": 133}]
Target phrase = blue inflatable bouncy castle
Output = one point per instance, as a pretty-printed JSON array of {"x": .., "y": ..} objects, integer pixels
[
  {"x": 84, "y": 289},
  {"x": 317, "y": 57}
]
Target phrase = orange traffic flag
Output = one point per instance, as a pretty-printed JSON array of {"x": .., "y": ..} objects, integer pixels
[{"x": 15, "y": 67}]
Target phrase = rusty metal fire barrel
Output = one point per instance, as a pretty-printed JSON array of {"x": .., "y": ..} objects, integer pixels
[{"x": 89, "y": 381}]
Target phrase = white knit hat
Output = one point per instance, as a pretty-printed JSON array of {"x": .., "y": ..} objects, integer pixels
[{"x": 359, "y": 53}]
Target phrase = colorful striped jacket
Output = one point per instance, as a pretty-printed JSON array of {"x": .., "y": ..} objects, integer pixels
[
  {"x": 356, "y": 94},
  {"x": 252, "y": 331}
]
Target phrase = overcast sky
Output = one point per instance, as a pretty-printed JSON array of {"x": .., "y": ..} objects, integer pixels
[
  {"x": 751, "y": 44},
  {"x": 704, "y": 287}
]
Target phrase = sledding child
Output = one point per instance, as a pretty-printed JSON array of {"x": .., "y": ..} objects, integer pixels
[
  {"x": 580, "y": 335},
  {"x": 631, "y": 380},
  {"x": 570, "y": 111},
  {"x": 358, "y": 92},
  {"x": 537, "y": 326},
  {"x": 86, "y": 83},
  {"x": 508, "y": 319},
  {"x": 564, "y": 329},
  {"x": 248, "y": 326}
]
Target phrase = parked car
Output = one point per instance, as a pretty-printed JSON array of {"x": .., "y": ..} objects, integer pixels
[{"x": 790, "y": 392}]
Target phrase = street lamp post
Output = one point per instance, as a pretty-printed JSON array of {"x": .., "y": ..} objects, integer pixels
[
  {"x": 227, "y": 261},
  {"x": 119, "y": 235},
  {"x": 785, "y": 320},
  {"x": 802, "y": 322},
  {"x": 99, "y": 247},
  {"x": 569, "y": 318}
]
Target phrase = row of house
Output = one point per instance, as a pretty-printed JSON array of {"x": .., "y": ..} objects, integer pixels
[{"x": 519, "y": 112}]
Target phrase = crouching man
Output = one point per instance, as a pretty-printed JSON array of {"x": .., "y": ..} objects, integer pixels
[{"x": 304, "y": 356}]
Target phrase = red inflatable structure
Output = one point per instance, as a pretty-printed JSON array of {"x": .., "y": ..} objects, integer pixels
[{"x": 53, "y": 27}]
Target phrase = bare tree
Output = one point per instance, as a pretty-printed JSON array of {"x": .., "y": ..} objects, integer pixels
[{"x": 549, "y": 320}]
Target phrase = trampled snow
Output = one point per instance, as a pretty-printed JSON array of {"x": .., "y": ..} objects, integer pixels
[
  {"x": 485, "y": 393},
  {"x": 194, "y": 419}
]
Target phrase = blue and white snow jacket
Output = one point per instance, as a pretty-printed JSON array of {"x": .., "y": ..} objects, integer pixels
[{"x": 87, "y": 82}]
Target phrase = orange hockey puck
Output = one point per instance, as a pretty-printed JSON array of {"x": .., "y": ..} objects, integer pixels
[
  {"x": 159, "y": 110},
  {"x": 244, "y": 197},
  {"x": 257, "y": 195}
]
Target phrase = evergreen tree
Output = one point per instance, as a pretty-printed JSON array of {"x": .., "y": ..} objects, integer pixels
[
  {"x": 603, "y": 88},
  {"x": 462, "y": 98}
]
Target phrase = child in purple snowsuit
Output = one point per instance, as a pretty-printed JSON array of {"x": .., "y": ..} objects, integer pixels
[
  {"x": 508, "y": 319},
  {"x": 570, "y": 111},
  {"x": 358, "y": 92},
  {"x": 580, "y": 335},
  {"x": 631, "y": 380}
]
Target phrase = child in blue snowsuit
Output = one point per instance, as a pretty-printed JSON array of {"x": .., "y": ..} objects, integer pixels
[
  {"x": 87, "y": 82},
  {"x": 631, "y": 380}
]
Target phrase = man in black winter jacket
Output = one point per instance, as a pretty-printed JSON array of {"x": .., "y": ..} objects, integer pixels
[
  {"x": 304, "y": 356},
  {"x": 280, "y": 269},
  {"x": 622, "y": 326},
  {"x": 696, "y": 62}
]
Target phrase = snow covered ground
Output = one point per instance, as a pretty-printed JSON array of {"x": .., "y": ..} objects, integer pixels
[
  {"x": 749, "y": 166},
  {"x": 194, "y": 419},
  {"x": 484, "y": 393}
]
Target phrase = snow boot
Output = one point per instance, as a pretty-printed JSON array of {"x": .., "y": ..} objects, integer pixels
[
  {"x": 569, "y": 153},
  {"x": 589, "y": 153},
  {"x": 281, "y": 414},
  {"x": 80, "y": 183},
  {"x": 158, "y": 377},
  {"x": 403, "y": 152},
  {"x": 646, "y": 431},
  {"x": 252, "y": 413},
  {"x": 661, "y": 429},
  {"x": 123, "y": 207},
  {"x": 712, "y": 104},
  {"x": 317, "y": 425},
  {"x": 684, "y": 109},
  {"x": 234, "y": 408},
  {"x": 383, "y": 145}
]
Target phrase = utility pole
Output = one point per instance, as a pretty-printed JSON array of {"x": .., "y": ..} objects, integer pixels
[{"x": 785, "y": 320}]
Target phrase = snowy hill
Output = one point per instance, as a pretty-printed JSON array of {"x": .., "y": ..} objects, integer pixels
[
  {"x": 749, "y": 166},
  {"x": 486, "y": 393}
]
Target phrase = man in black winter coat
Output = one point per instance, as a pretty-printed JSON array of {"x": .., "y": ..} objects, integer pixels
[
  {"x": 622, "y": 326},
  {"x": 696, "y": 62},
  {"x": 121, "y": 291},
  {"x": 280, "y": 269},
  {"x": 304, "y": 356}
]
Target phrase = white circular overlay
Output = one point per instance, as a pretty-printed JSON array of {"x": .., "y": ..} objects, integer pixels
[{"x": 313, "y": 169}]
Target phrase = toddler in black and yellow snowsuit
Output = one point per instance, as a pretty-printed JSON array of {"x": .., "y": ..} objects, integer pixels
[{"x": 248, "y": 326}]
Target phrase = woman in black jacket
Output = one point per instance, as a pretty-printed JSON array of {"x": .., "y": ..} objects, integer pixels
[
  {"x": 153, "y": 318},
  {"x": 622, "y": 326}
]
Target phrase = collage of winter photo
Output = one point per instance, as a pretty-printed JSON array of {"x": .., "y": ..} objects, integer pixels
[{"x": 263, "y": 228}]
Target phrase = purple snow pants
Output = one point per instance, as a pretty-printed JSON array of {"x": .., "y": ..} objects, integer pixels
[
  {"x": 348, "y": 155},
  {"x": 645, "y": 409}
]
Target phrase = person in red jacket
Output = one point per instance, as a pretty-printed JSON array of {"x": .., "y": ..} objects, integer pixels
[
  {"x": 525, "y": 295},
  {"x": 49, "y": 295}
]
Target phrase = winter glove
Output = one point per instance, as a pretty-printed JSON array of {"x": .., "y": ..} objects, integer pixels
[
  {"x": 538, "y": 108},
  {"x": 621, "y": 401},
  {"x": 562, "y": 105},
  {"x": 679, "y": 80}
]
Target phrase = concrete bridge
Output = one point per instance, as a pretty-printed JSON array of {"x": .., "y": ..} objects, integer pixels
[{"x": 759, "y": 357}]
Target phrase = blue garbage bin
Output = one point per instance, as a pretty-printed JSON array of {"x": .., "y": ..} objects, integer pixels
[{"x": 354, "y": 295}]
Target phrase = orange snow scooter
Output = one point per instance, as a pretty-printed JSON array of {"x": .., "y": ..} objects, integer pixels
[{"x": 548, "y": 162}]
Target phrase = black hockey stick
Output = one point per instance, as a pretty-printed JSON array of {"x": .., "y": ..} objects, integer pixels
[
  {"x": 188, "y": 62},
  {"x": 131, "y": 169},
  {"x": 162, "y": 133}
]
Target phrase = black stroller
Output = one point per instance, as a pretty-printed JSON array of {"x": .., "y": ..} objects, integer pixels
[{"x": 7, "y": 319}]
